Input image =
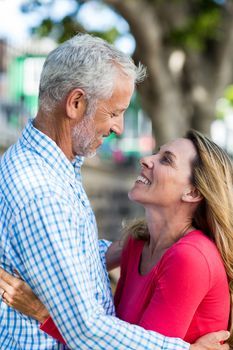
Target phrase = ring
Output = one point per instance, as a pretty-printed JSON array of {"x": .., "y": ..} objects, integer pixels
[{"x": 3, "y": 294}]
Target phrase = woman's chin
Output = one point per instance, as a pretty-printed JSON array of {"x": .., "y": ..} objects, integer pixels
[{"x": 132, "y": 195}]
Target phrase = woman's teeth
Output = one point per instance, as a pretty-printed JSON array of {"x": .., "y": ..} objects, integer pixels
[{"x": 143, "y": 180}]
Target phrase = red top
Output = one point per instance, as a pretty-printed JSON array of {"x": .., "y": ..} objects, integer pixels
[{"x": 185, "y": 295}]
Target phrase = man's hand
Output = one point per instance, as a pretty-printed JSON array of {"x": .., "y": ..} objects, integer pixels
[
  {"x": 212, "y": 341},
  {"x": 18, "y": 295}
]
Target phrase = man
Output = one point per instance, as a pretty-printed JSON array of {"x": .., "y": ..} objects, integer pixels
[{"x": 48, "y": 230}]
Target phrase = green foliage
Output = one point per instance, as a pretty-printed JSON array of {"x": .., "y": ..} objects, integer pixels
[
  {"x": 199, "y": 29},
  {"x": 222, "y": 108},
  {"x": 67, "y": 27},
  {"x": 45, "y": 27},
  {"x": 61, "y": 30},
  {"x": 110, "y": 35},
  {"x": 225, "y": 104},
  {"x": 228, "y": 94}
]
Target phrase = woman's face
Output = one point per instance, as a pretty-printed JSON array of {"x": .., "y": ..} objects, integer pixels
[{"x": 165, "y": 176}]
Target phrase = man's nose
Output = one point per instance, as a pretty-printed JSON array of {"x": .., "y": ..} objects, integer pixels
[{"x": 118, "y": 126}]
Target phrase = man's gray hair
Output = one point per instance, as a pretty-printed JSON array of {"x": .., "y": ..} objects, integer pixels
[{"x": 88, "y": 63}]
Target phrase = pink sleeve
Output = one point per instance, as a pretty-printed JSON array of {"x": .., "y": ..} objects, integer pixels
[
  {"x": 51, "y": 329},
  {"x": 183, "y": 281}
]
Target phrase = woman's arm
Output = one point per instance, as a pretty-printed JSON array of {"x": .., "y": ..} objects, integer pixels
[
  {"x": 113, "y": 255},
  {"x": 18, "y": 295}
]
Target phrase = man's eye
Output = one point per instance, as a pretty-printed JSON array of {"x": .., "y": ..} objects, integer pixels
[
  {"x": 113, "y": 115},
  {"x": 165, "y": 160}
]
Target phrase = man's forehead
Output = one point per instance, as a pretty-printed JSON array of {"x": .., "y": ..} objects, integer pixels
[
  {"x": 120, "y": 110},
  {"x": 118, "y": 106}
]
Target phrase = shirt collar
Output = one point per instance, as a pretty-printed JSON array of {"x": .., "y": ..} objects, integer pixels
[{"x": 50, "y": 152}]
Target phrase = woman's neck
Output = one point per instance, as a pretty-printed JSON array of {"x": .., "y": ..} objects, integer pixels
[{"x": 166, "y": 229}]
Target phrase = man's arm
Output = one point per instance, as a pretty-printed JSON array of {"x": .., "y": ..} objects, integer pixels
[
  {"x": 46, "y": 237},
  {"x": 20, "y": 296}
]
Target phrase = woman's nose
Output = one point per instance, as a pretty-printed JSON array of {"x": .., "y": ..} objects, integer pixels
[{"x": 146, "y": 162}]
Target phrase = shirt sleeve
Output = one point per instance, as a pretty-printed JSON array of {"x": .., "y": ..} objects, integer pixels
[
  {"x": 103, "y": 247},
  {"x": 123, "y": 267},
  {"x": 183, "y": 281},
  {"x": 47, "y": 240}
]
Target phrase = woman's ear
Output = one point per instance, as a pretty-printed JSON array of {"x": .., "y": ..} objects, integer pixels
[
  {"x": 192, "y": 195},
  {"x": 76, "y": 104}
]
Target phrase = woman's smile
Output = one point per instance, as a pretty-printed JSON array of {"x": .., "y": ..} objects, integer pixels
[{"x": 143, "y": 180}]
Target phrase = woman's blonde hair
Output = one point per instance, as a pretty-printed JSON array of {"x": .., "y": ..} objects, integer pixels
[{"x": 212, "y": 175}]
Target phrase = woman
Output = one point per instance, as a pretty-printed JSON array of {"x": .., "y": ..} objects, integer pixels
[{"x": 177, "y": 266}]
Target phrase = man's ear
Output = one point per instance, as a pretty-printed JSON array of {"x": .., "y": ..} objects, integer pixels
[
  {"x": 191, "y": 195},
  {"x": 76, "y": 104}
]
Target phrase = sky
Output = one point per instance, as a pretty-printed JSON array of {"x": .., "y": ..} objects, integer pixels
[{"x": 14, "y": 25}]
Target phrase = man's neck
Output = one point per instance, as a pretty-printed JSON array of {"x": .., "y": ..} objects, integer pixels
[{"x": 58, "y": 129}]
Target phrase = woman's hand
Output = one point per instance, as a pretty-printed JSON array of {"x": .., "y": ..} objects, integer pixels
[
  {"x": 18, "y": 295},
  {"x": 113, "y": 255},
  {"x": 212, "y": 341}
]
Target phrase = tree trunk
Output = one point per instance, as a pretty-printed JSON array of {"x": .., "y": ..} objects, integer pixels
[
  {"x": 169, "y": 117},
  {"x": 176, "y": 103}
]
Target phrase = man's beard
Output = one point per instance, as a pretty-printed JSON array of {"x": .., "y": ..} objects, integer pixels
[{"x": 83, "y": 137}]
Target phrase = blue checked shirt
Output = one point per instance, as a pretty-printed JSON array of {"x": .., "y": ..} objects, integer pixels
[{"x": 48, "y": 233}]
